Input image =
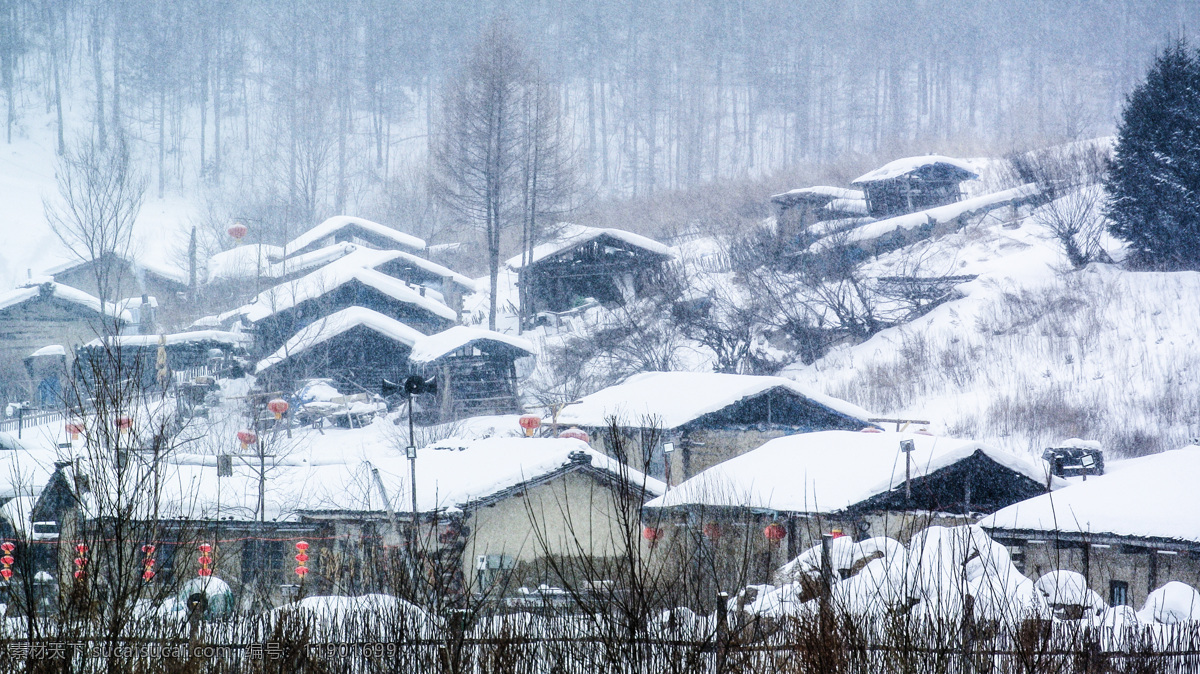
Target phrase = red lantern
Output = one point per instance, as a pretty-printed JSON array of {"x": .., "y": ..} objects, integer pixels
[
  {"x": 302, "y": 571},
  {"x": 81, "y": 549},
  {"x": 6, "y": 573},
  {"x": 8, "y": 546},
  {"x": 278, "y": 407},
  {"x": 302, "y": 545},
  {"x": 775, "y": 532},
  {"x": 7, "y": 560},
  {"x": 247, "y": 437},
  {"x": 530, "y": 422},
  {"x": 205, "y": 547},
  {"x": 302, "y": 558},
  {"x": 837, "y": 533},
  {"x": 75, "y": 429},
  {"x": 148, "y": 549},
  {"x": 238, "y": 231},
  {"x": 712, "y": 531},
  {"x": 148, "y": 574},
  {"x": 124, "y": 424},
  {"x": 576, "y": 433},
  {"x": 205, "y": 560},
  {"x": 204, "y": 573},
  {"x": 653, "y": 535},
  {"x": 79, "y": 575},
  {"x": 872, "y": 429}
]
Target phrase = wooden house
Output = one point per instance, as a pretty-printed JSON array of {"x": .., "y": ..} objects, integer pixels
[
  {"x": 913, "y": 184},
  {"x": 861, "y": 484},
  {"x": 358, "y": 231},
  {"x": 136, "y": 356},
  {"x": 50, "y": 313},
  {"x": 1127, "y": 532},
  {"x": 130, "y": 277},
  {"x": 609, "y": 265},
  {"x": 280, "y": 312},
  {"x": 705, "y": 418},
  {"x": 475, "y": 370},
  {"x": 797, "y": 210},
  {"x": 356, "y": 347}
]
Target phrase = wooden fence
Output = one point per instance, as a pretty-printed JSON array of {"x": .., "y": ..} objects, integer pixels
[{"x": 405, "y": 641}]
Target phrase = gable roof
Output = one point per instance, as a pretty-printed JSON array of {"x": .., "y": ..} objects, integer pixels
[
  {"x": 1151, "y": 497},
  {"x": 373, "y": 259},
  {"x": 339, "y": 222},
  {"x": 254, "y": 260},
  {"x": 337, "y": 323},
  {"x": 575, "y": 235},
  {"x": 66, "y": 294},
  {"x": 219, "y": 336},
  {"x": 330, "y": 277},
  {"x": 167, "y": 272},
  {"x": 676, "y": 398},
  {"x": 820, "y": 194},
  {"x": 931, "y": 162},
  {"x": 829, "y": 471},
  {"x": 433, "y": 347}
]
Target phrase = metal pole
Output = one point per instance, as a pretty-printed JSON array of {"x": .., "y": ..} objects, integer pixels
[{"x": 412, "y": 465}]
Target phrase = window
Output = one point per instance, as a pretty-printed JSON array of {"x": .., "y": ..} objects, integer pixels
[{"x": 1118, "y": 593}]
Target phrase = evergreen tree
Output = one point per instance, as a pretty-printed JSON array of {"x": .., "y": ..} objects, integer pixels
[{"x": 1153, "y": 182}]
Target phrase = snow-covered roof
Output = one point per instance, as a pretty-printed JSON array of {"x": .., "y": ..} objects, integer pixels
[
  {"x": 334, "y": 324},
  {"x": 219, "y": 336},
  {"x": 574, "y": 235},
  {"x": 136, "y": 265},
  {"x": 856, "y": 206},
  {"x": 373, "y": 259},
  {"x": 432, "y": 347},
  {"x": 676, "y": 398},
  {"x": 65, "y": 293},
  {"x": 328, "y": 278},
  {"x": 829, "y": 471},
  {"x": 936, "y": 215},
  {"x": 51, "y": 350},
  {"x": 819, "y": 192},
  {"x": 1153, "y": 496},
  {"x": 452, "y": 475},
  {"x": 265, "y": 261},
  {"x": 337, "y": 222},
  {"x": 899, "y": 167}
]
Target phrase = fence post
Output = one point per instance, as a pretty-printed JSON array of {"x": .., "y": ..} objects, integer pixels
[
  {"x": 722, "y": 630},
  {"x": 968, "y": 634}
]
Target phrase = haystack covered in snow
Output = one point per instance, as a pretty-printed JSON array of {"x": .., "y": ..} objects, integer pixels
[
  {"x": 913, "y": 184},
  {"x": 709, "y": 417},
  {"x": 1128, "y": 531},
  {"x": 608, "y": 265}
]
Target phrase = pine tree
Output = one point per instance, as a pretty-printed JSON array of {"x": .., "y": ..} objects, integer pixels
[{"x": 1153, "y": 182}]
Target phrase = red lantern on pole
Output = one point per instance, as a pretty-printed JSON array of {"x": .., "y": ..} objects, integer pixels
[
  {"x": 576, "y": 433},
  {"x": 75, "y": 428},
  {"x": 653, "y": 535},
  {"x": 81, "y": 561},
  {"x": 530, "y": 422},
  {"x": 238, "y": 231},
  {"x": 247, "y": 437},
  {"x": 124, "y": 423},
  {"x": 712, "y": 531},
  {"x": 148, "y": 562},
  {"x": 301, "y": 558},
  {"x": 278, "y": 407},
  {"x": 775, "y": 532}
]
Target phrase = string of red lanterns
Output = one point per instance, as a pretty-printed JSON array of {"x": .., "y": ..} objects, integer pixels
[
  {"x": 81, "y": 561},
  {"x": 7, "y": 560},
  {"x": 148, "y": 562},
  {"x": 205, "y": 560},
  {"x": 301, "y": 558}
]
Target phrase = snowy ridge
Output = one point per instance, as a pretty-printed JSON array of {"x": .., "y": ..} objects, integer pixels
[
  {"x": 675, "y": 398},
  {"x": 324, "y": 329},
  {"x": 811, "y": 472},
  {"x": 372, "y": 259},
  {"x": 1153, "y": 496},
  {"x": 221, "y": 336}
]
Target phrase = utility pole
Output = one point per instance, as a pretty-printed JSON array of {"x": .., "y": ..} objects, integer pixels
[{"x": 907, "y": 446}]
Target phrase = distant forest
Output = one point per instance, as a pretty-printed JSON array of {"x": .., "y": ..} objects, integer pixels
[{"x": 309, "y": 107}]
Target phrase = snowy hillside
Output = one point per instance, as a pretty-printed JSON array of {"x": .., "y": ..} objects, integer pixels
[{"x": 1033, "y": 352}]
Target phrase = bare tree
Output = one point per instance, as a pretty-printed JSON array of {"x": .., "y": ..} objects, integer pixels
[{"x": 100, "y": 196}]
